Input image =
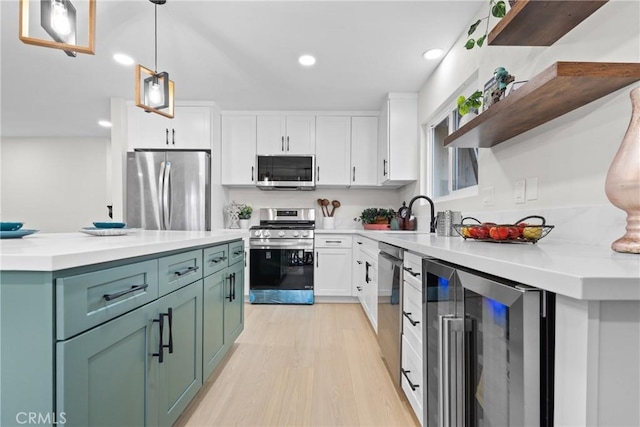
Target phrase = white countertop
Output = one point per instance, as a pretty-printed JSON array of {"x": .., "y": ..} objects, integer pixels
[{"x": 57, "y": 251}]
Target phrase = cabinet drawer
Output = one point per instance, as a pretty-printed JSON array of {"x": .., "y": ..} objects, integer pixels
[
  {"x": 412, "y": 309},
  {"x": 412, "y": 269},
  {"x": 87, "y": 300},
  {"x": 412, "y": 371},
  {"x": 178, "y": 270},
  {"x": 333, "y": 241},
  {"x": 215, "y": 259},
  {"x": 236, "y": 252}
]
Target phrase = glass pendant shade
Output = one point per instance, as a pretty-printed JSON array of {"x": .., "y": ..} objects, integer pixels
[
  {"x": 59, "y": 19},
  {"x": 154, "y": 91}
]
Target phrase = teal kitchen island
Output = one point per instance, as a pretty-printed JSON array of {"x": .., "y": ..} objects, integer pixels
[{"x": 118, "y": 330}]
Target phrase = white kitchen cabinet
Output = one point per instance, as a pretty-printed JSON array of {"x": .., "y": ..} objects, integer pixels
[
  {"x": 364, "y": 153},
  {"x": 332, "y": 275},
  {"x": 369, "y": 254},
  {"x": 333, "y": 150},
  {"x": 286, "y": 134},
  {"x": 398, "y": 140},
  {"x": 238, "y": 150},
  {"x": 189, "y": 129},
  {"x": 357, "y": 269}
]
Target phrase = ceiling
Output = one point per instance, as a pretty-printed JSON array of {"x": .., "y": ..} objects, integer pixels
[{"x": 240, "y": 54}]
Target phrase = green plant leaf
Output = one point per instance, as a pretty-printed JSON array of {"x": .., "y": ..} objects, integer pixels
[
  {"x": 499, "y": 9},
  {"x": 461, "y": 100},
  {"x": 480, "y": 40},
  {"x": 470, "y": 44},
  {"x": 473, "y": 27}
]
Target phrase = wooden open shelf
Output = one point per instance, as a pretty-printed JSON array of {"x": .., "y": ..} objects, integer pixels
[
  {"x": 541, "y": 23},
  {"x": 561, "y": 88}
]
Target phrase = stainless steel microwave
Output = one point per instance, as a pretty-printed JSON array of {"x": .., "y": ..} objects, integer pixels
[{"x": 286, "y": 172}]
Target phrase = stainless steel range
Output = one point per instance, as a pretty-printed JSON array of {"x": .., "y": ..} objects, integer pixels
[{"x": 281, "y": 262}]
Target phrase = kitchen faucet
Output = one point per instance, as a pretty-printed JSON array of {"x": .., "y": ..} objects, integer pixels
[{"x": 432, "y": 226}]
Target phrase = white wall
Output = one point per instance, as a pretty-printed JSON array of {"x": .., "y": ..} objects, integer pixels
[
  {"x": 54, "y": 184},
  {"x": 570, "y": 155},
  {"x": 352, "y": 202}
]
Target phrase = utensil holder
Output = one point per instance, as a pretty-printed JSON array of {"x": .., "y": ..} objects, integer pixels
[{"x": 328, "y": 223}]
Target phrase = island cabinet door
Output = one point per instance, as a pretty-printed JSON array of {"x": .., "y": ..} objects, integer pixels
[
  {"x": 234, "y": 303},
  {"x": 106, "y": 376},
  {"x": 213, "y": 343},
  {"x": 180, "y": 373}
]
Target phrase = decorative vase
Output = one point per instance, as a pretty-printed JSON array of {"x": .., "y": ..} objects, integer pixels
[
  {"x": 244, "y": 223},
  {"x": 623, "y": 180},
  {"x": 467, "y": 118}
]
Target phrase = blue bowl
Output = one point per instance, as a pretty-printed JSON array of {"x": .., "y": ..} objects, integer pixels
[
  {"x": 10, "y": 226},
  {"x": 109, "y": 224}
]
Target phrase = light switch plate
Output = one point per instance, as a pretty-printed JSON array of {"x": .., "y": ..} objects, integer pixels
[
  {"x": 520, "y": 191},
  {"x": 487, "y": 196},
  {"x": 532, "y": 188}
]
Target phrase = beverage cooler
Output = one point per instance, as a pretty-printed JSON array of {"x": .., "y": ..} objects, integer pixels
[{"x": 489, "y": 349}]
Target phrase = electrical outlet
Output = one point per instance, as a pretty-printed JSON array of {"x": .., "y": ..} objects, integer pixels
[
  {"x": 487, "y": 196},
  {"x": 520, "y": 191},
  {"x": 532, "y": 188}
]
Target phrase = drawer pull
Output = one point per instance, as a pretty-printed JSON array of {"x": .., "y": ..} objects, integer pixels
[
  {"x": 408, "y": 316},
  {"x": 359, "y": 262},
  {"x": 161, "y": 346},
  {"x": 359, "y": 243},
  {"x": 410, "y": 271},
  {"x": 237, "y": 253},
  {"x": 170, "y": 316},
  {"x": 219, "y": 259},
  {"x": 366, "y": 271},
  {"x": 359, "y": 288},
  {"x": 109, "y": 297},
  {"x": 333, "y": 241},
  {"x": 412, "y": 385},
  {"x": 187, "y": 271}
]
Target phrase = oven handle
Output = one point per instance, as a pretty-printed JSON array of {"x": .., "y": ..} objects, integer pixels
[{"x": 282, "y": 244}]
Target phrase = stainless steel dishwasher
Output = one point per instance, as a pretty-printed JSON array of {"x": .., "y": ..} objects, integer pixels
[{"x": 390, "y": 307}]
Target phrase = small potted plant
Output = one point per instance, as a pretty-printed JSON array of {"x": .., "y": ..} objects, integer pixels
[
  {"x": 244, "y": 215},
  {"x": 376, "y": 218},
  {"x": 498, "y": 9},
  {"x": 468, "y": 107}
]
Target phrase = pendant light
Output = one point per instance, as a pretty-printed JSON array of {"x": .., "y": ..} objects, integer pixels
[
  {"x": 60, "y": 21},
  {"x": 157, "y": 90}
]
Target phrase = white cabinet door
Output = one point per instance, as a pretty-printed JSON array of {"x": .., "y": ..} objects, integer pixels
[
  {"x": 333, "y": 272},
  {"x": 271, "y": 134},
  {"x": 238, "y": 150},
  {"x": 333, "y": 151},
  {"x": 364, "y": 152},
  {"x": 398, "y": 141},
  {"x": 301, "y": 135},
  {"x": 190, "y": 129},
  {"x": 357, "y": 271}
]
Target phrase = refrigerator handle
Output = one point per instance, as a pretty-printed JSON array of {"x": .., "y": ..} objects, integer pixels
[
  {"x": 166, "y": 205},
  {"x": 451, "y": 408},
  {"x": 161, "y": 193}
]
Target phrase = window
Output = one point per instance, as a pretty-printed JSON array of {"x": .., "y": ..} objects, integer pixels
[{"x": 454, "y": 169}]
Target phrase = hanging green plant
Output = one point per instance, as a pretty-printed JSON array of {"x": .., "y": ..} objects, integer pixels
[{"x": 496, "y": 8}]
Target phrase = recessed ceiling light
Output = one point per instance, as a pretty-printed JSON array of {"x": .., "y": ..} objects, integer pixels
[
  {"x": 307, "y": 60},
  {"x": 432, "y": 54},
  {"x": 104, "y": 123},
  {"x": 123, "y": 59}
]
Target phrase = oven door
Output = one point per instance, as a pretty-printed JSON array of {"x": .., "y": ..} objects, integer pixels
[{"x": 281, "y": 271}]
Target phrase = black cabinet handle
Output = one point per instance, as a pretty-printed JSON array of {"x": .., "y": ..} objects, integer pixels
[
  {"x": 166, "y": 136},
  {"x": 317, "y": 260},
  {"x": 384, "y": 167},
  {"x": 233, "y": 287},
  {"x": 282, "y": 139},
  {"x": 188, "y": 270},
  {"x": 359, "y": 262},
  {"x": 408, "y": 316},
  {"x": 173, "y": 136},
  {"x": 410, "y": 271},
  {"x": 230, "y": 296},
  {"x": 251, "y": 173},
  {"x": 359, "y": 243},
  {"x": 359, "y": 288},
  {"x": 170, "y": 316},
  {"x": 412, "y": 385},
  {"x": 109, "y": 297},
  {"x": 219, "y": 259},
  {"x": 236, "y": 253},
  {"x": 366, "y": 271},
  {"x": 333, "y": 241},
  {"x": 354, "y": 174},
  {"x": 287, "y": 143},
  {"x": 318, "y": 174},
  {"x": 159, "y": 354}
]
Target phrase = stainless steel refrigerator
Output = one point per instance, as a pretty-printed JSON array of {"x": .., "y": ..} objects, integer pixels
[{"x": 168, "y": 190}]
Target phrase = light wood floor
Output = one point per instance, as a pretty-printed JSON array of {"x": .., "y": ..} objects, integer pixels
[{"x": 294, "y": 365}]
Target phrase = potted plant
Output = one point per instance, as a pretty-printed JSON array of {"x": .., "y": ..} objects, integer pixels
[
  {"x": 497, "y": 8},
  {"x": 244, "y": 215},
  {"x": 468, "y": 107},
  {"x": 376, "y": 218}
]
